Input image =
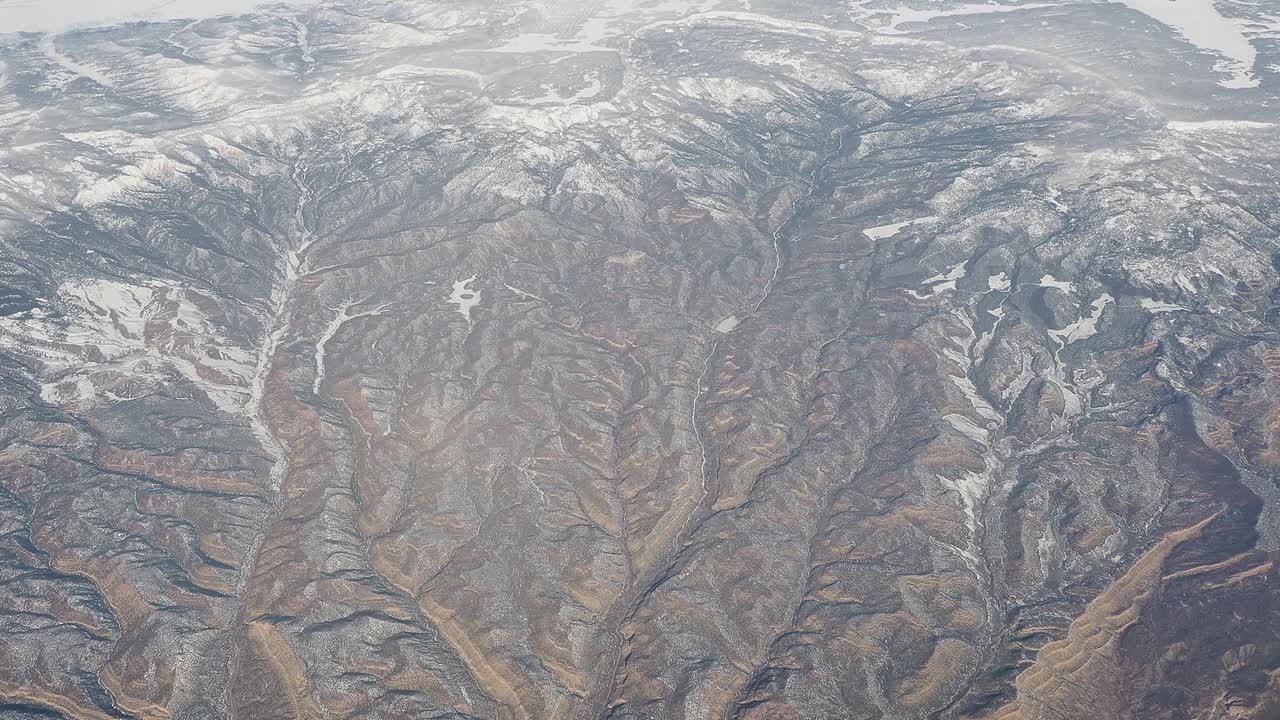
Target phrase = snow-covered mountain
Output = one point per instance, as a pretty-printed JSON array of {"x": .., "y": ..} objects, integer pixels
[{"x": 715, "y": 359}]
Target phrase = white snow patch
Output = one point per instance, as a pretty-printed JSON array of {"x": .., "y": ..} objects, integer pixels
[
  {"x": 971, "y": 486},
  {"x": 999, "y": 282},
  {"x": 464, "y": 297},
  {"x": 523, "y": 294},
  {"x": 48, "y": 44},
  {"x": 902, "y": 15},
  {"x": 1157, "y": 306},
  {"x": 1050, "y": 281},
  {"x": 631, "y": 257},
  {"x": 805, "y": 29},
  {"x": 940, "y": 282},
  {"x": 549, "y": 118},
  {"x": 549, "y": 43},
  {"x": 408, "y": 71},
  {"x": 114, "y": 331},
  {"x": 73, "y": 390},
  {"x": 132, "y": 176},
  {"x": 551, "y": 96},
  {"x": 724, "y": 91},
  {"x": 1187, "y": 126},
  {"x": 1073, "y": 396},
  {"x": 1087, "y": 326},
  {"x": 342, "y": 317},
  {"x": 727, "y": 325},
  {"x": 968, "y": 428},
  {"x": 1053, "y": 198},
  {"x": 883, "y": 232}
]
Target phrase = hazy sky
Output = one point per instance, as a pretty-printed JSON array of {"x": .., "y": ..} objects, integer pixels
[{"x": 26, "y": 15}]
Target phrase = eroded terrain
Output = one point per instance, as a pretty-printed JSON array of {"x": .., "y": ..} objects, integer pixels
[{"x": 732, "y": 360}]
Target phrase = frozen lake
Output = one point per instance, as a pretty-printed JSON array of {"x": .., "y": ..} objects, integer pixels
[{"x": 1200, "y": 23}]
